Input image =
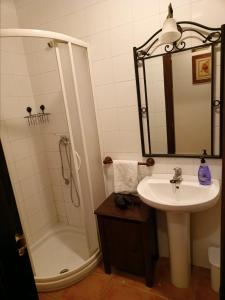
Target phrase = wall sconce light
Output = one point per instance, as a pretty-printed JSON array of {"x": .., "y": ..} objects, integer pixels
[{"x": 169, "y": 33}]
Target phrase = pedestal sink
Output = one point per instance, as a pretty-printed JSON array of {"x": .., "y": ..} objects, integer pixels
[{"x": 178, "y": 200}]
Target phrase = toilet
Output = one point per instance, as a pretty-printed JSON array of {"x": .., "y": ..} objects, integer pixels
[{"x": 214, "y": 259}]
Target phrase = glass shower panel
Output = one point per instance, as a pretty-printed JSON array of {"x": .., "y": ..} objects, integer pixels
[
  {"x": 45, "y": 200},
  {"x": 81, "y": 122},
  {"x": 90, "y": 130}
]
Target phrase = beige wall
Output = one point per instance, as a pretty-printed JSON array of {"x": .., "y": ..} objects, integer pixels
[{"x": 112, "y": 28}]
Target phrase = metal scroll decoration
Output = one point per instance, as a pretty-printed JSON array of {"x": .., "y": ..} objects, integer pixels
[
  {"x": 39, "y": 118},
  {"x": 206, "y": 35}
]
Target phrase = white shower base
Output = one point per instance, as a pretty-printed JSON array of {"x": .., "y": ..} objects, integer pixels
[{"x": 59, "y": 249}]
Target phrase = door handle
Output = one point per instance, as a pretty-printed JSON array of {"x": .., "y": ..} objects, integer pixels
[{"x": 21, "y": 243}]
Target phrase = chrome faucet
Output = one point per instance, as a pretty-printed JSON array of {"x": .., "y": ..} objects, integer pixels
[{"x": 177, "y": 177}]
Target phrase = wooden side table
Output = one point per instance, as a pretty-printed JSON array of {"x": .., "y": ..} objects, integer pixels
[{"x": 128, "y": 237}]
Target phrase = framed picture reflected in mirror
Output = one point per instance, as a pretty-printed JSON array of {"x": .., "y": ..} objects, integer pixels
[{"x": 201, "y": 68}]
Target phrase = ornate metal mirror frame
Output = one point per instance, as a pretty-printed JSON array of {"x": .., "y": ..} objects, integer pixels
[{"x": 206, "y": 36}]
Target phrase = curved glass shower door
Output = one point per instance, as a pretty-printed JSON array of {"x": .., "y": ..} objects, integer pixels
[
  {"x": 76, "y": 79},
  {"x": 44, "y": 141}
]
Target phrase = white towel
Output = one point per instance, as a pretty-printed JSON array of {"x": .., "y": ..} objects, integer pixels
[{"x": 125, "y": 176}]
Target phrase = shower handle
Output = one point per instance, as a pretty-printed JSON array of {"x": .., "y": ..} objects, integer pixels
[{"x": 79, "y": 160}]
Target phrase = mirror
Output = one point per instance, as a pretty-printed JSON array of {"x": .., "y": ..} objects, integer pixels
[{"x": 179, "y": 101}]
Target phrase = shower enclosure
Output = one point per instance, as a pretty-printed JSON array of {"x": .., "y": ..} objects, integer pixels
[{"x": 50, "y": 140}]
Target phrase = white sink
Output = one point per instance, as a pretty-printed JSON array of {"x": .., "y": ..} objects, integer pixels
[
  {"x": 178, "y": 200},
  {"x": 188, "y": 196}
]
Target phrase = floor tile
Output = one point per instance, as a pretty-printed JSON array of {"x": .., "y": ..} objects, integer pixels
[
  {"x": 130, "y": 280},
  {"x": 91, "y": 288},
  {"x": 201, "y": 284},
  {"x": 164, "y": 287},
  {"x": 122, "y": 291},
  {"x": 121, "y": 286},
  {"x": 44, "y": 296}
]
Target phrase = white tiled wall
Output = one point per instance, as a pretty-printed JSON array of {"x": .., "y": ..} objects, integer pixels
[
  {"x": 22, "y": 144},
  {"x": 112, "y": 27}
]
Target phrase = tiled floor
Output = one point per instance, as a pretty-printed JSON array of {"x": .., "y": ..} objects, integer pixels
[{"x": 122, "y": 286}]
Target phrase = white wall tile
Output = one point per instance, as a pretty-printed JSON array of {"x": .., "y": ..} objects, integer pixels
[
  {"x": 110, "y": 141},
  {"x": 145, "y": 8},
  {"x": 129, "y": 141},
  {"x": 17, "y": 128},
  {"x": 144, "y": 29},
  {"x": 72, "y": 24},
  {"x": 23, "y": 86},
  {"x": 175, "y": 3},
  {"x": 123, "y": 67},
  {"x": 29, "y": 188},
  {"x": 97, "y": 17},
  {"x": 24, "y": 168},
  {"x": 56, "y": 177},
  {"x": 13, "y": 173},
  {"x": 19, "y": 65},
  {"x": 12, "y": 45},
  {"x": 7, "y": 149},
  {"x": 126, "y": 94},
  {"x": 12, "y": 107},
  {"x": 128, "y": 118},
  {"x": 120, "y": 12},
  {"x": 160, "y": 166},
  {"x": 32, "y": 204},
  {"x": 100, "y": 45},
  {"x": 42, "y": 61},
  {"x": 21, "y": 3},
  {"x": 200, "y": 12},
  {"x": 105, "y": 96},
  {"x": 103, "y": 73},
  {"x": 21, "y": 149},
  {"x": 109, "y": 119},
  {"x": 8, "y": 86},
  {"x": 6, "y": 65},
  {"x": 121, "y": 39},
  {"x": 46, "y": 83}
]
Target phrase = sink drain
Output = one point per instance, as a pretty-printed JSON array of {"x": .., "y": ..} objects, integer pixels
[{"x": 63, "y": 271}]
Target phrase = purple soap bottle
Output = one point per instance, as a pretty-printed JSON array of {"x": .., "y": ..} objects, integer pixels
[{"x": 204, "y": 174}]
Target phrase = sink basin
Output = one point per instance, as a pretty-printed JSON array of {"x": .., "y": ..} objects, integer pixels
[
  {"x": 188, "y": 196},
  {"x": 178, "y": 200}
]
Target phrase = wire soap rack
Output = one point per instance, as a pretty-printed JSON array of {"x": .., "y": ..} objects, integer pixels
[{"x": 39, "y": 118}]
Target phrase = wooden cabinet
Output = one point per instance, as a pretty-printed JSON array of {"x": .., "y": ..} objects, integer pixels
[{"x": 128, "y": 237}]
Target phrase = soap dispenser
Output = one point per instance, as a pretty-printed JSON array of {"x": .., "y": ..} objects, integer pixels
[{"x": 204, "y": 174}]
